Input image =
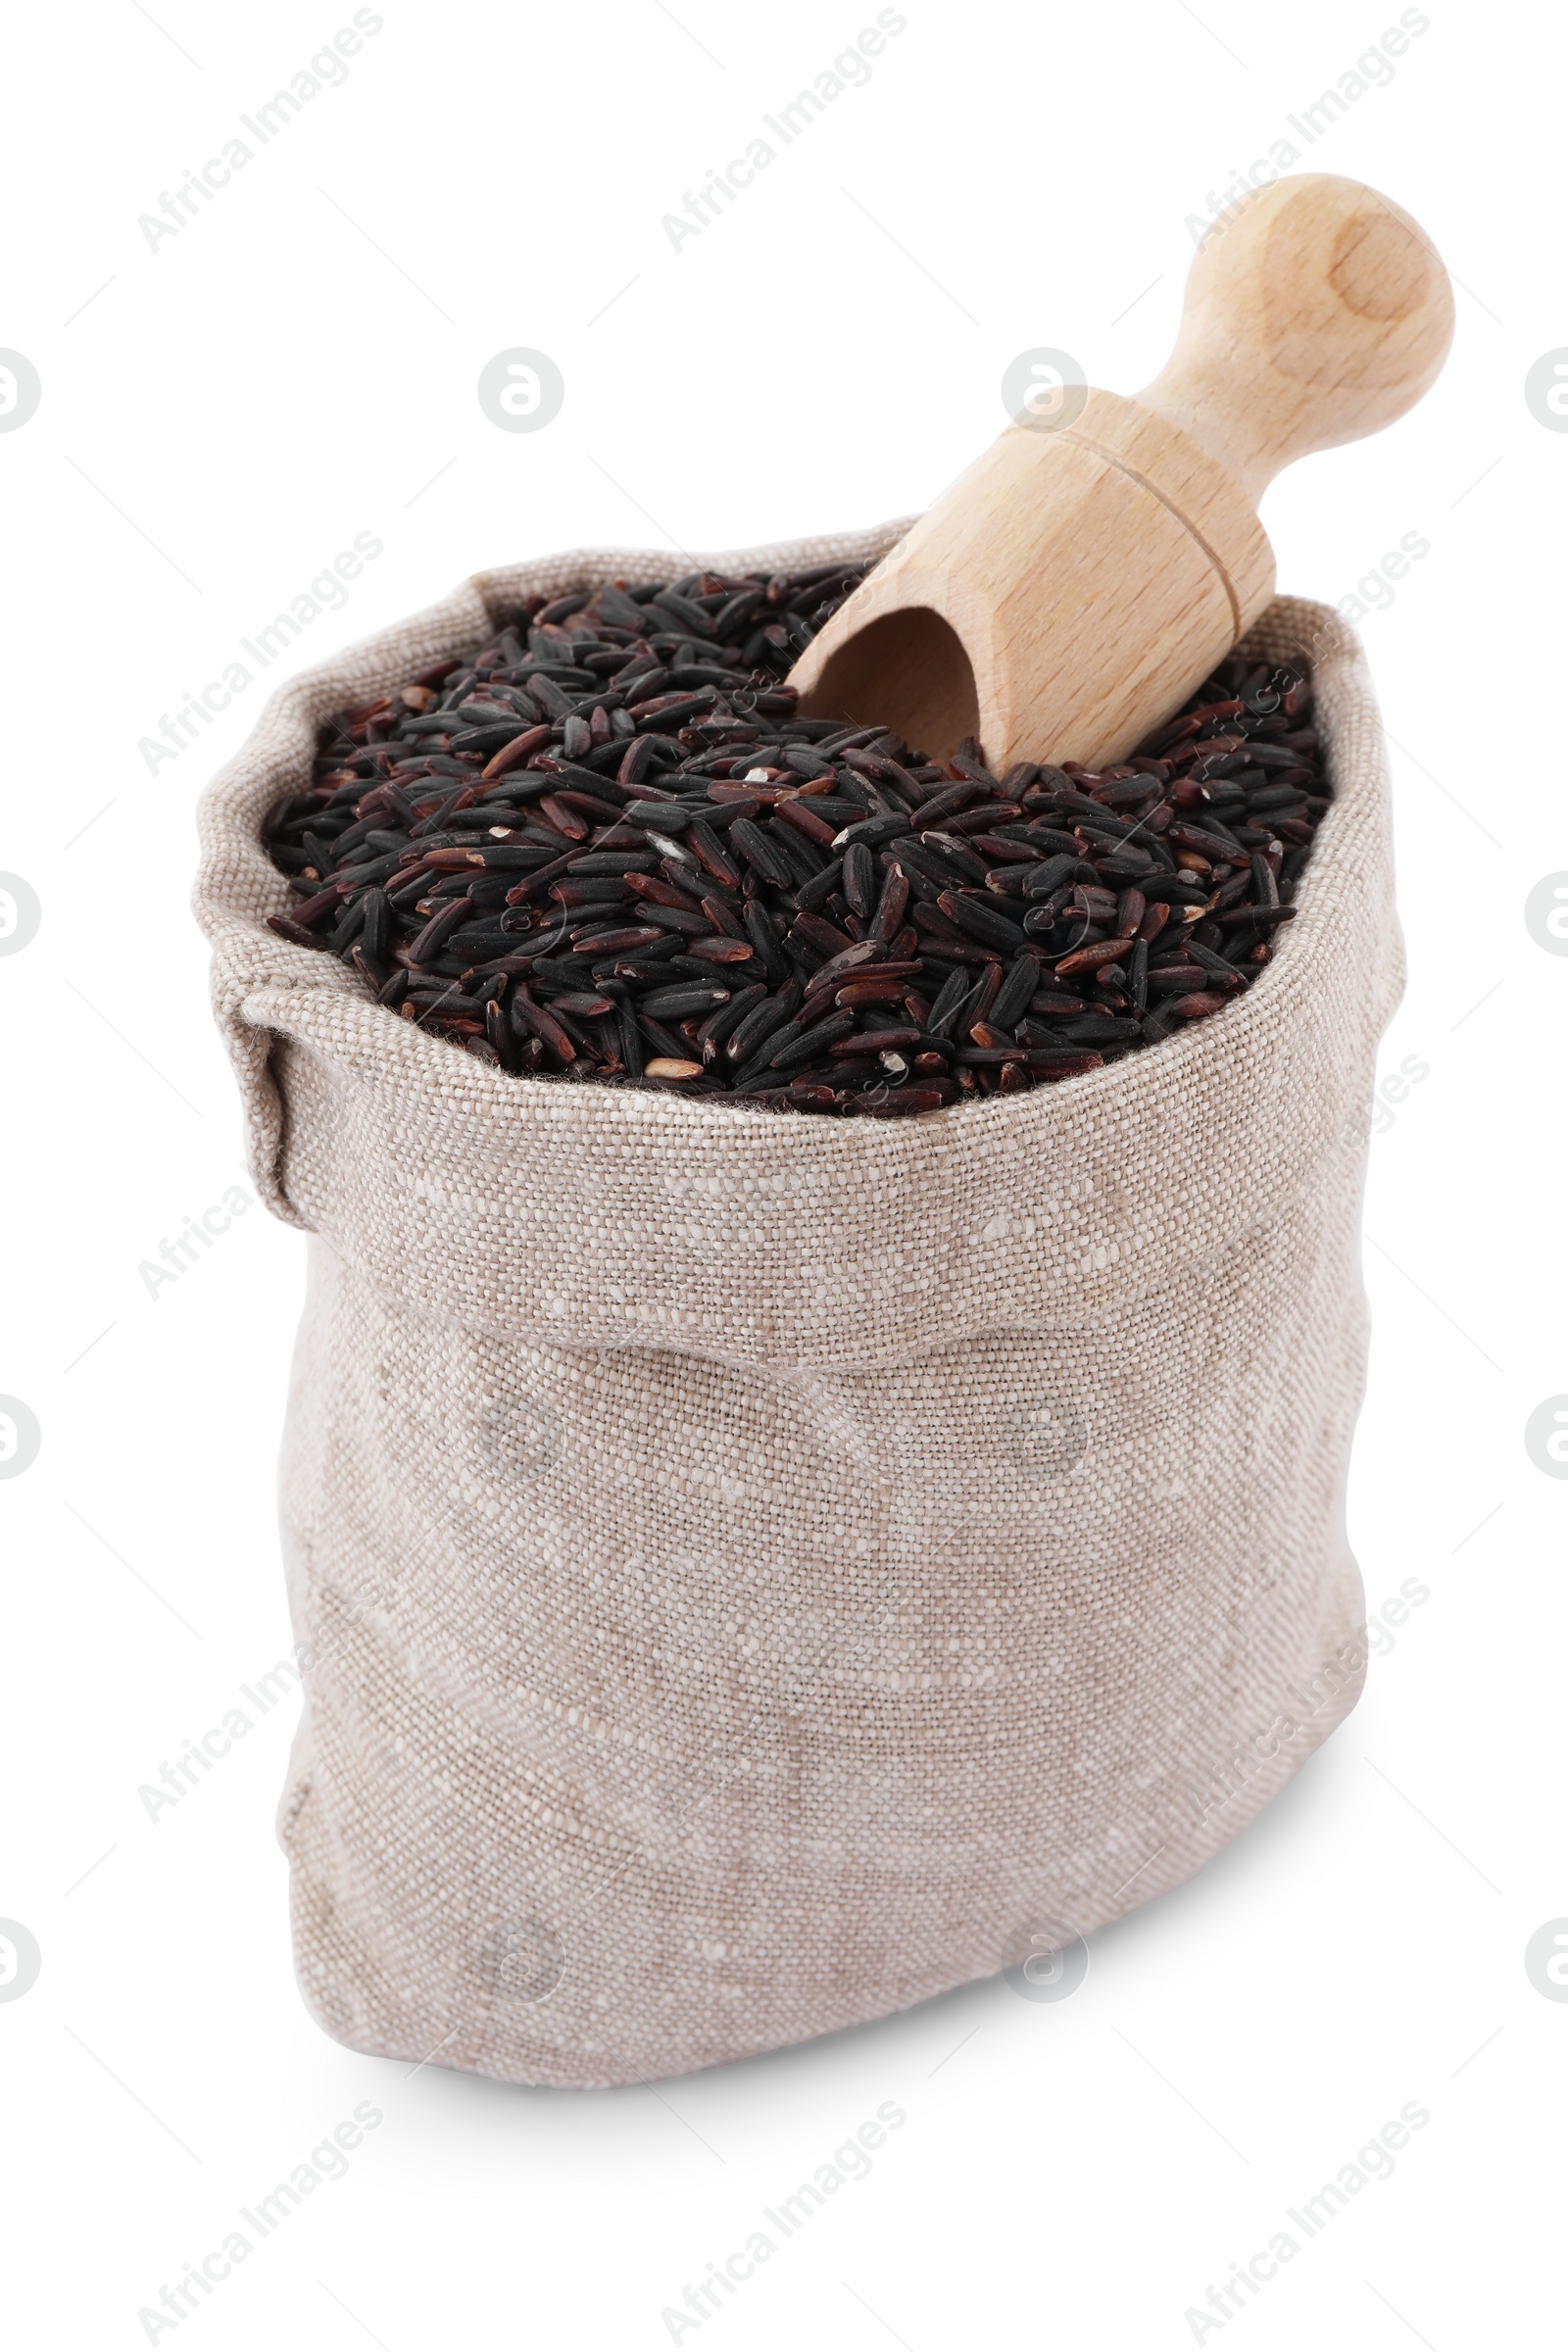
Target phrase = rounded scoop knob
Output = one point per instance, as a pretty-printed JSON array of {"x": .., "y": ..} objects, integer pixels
[{"x": 1316, "y": 312}]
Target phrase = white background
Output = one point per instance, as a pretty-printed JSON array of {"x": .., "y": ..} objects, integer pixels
[{"x": 298, "y": 365}]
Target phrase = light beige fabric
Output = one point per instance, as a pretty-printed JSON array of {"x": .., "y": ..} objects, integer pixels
[{"x": 756, "y": 1567}]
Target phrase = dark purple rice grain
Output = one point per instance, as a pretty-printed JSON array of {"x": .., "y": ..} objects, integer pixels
[{"x": 606, "y": 840}]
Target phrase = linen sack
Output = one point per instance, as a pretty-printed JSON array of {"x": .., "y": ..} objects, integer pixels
[{"x": 757, "y": 1571}]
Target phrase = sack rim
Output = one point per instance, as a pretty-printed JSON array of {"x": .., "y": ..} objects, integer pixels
[{"x": 271, "y": 995}]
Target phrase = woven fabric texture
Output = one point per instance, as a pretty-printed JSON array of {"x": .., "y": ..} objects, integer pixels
[{"x": 753, "y": 1571}]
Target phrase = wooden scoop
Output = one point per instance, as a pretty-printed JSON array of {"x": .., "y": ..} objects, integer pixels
[{"x": 1075, "y": 585}]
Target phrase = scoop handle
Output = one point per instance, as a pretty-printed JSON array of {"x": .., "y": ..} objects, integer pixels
[{"x": 1316, "y": 312}]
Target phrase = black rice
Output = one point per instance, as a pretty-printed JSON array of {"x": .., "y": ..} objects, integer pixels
[{"x": 605, "y": 845}]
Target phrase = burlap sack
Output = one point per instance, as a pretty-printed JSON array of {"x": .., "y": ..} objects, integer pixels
[{"x": 752, "y": 1571}]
